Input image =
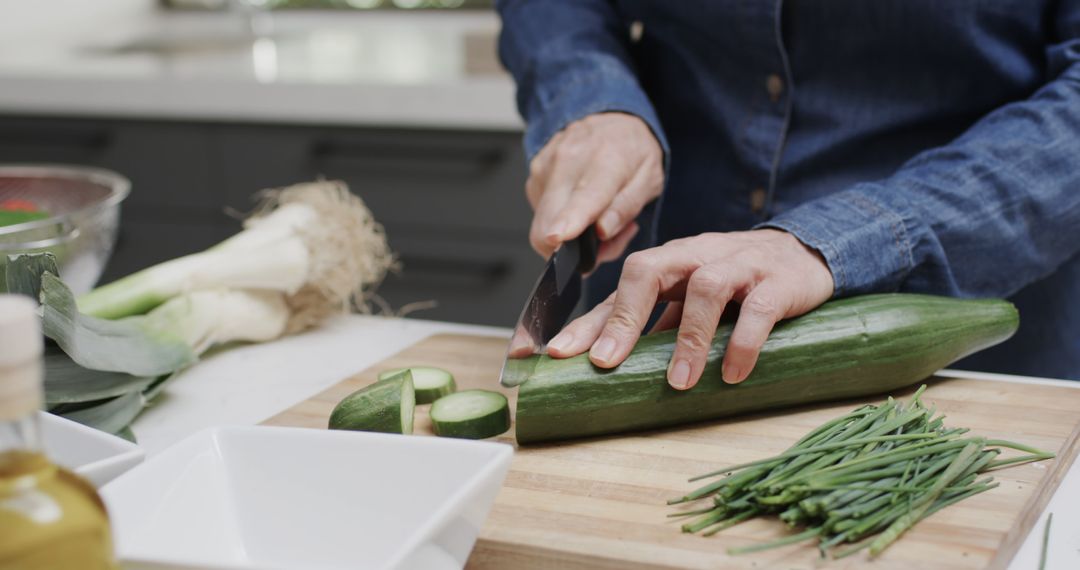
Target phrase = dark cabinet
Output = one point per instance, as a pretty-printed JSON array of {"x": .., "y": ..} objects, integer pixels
[{"x": 452, "y": 202}]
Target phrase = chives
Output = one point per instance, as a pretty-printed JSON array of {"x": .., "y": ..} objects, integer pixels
[
  {"x": 856, "y": 482},
  {"x": 1045, "y": 541}
]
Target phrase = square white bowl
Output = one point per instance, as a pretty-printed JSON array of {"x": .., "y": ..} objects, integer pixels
[
  {"x": 98, "y": 456},
  {"x": 288, "y": 498}
]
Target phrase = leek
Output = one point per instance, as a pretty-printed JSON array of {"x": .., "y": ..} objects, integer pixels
[
  {"x": 139, "y": 346},
  {"x": 315, "y": 243},
  {"x": 308, "y": 252},
  {"x": 68, "y": 383}
]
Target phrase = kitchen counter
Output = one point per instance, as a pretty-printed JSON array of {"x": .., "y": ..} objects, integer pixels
[
  {"x": 127, "y": 59},
  {"x": 248, "y": 384}
]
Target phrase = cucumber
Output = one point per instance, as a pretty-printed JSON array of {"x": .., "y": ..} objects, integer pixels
[
  {"x": 430, "y": 383},
  {"x": 386, "y": 406},
  {"x": 847, "y": 348},
  {"x": 472, "y": 414}
]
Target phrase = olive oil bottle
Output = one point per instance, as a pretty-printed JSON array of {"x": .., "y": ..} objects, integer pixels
[{"x": 50, "y": 519}]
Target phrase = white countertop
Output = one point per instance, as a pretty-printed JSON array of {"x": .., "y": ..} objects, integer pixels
[
  {"x": 248, "y": 384},
  {"x": 128, "y": 59}
]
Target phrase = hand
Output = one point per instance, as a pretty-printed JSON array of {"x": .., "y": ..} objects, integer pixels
[
  {"x": 769, "y": 272},
  {"x": 604, "y": 168}
]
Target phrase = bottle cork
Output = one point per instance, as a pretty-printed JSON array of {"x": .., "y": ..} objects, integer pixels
[{"x": 21, "y": 349}]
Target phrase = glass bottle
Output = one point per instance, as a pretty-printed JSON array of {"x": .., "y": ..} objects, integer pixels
[{"x": 50, "y": 518}]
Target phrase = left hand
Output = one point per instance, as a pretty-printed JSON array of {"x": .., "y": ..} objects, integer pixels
[{"x": 769, "y": 272}]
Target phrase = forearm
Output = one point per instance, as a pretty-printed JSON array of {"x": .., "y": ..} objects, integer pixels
[{"x": 989, "y": 213}]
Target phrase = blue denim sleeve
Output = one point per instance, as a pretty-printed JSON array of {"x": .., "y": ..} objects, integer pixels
[
  {"x": 569, "y": 59},
  {"x": 985, "y": 215}
]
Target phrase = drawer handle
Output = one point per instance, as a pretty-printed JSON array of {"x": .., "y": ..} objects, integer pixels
[
  {"x": 87, "y": 140},
  {"x": 330, "y": 156},
  {"x": 458, "y": 270}
]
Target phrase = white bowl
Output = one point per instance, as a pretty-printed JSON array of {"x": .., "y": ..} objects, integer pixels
[
  {"x": 288, "y": 498},
  {"x": 97, "y": 456}
]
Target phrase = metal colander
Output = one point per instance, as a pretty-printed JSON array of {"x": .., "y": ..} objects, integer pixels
[{"x": 84, "y": 208}]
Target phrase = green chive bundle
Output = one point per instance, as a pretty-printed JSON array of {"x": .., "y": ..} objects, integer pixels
[{"x": 858, "y": 481}]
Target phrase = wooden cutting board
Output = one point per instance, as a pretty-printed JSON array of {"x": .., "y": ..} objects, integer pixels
[{"x": 600, "y": 503}]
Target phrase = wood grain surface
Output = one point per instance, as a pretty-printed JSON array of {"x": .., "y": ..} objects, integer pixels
[{"x": 600, "y": 502}]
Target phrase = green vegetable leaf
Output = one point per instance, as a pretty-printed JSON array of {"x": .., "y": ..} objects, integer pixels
[
  {"x": 22, "y": 273},
  {"x": 127, "y": 434},
  {"x": 155, "y": 388},
  {"x": 118, "y": 346},
  {"x": 66, "y": 382},
  {"x": 113, "y": 415}
]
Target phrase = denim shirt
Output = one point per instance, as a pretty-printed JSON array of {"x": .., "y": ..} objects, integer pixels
[{"x": 920, "y": 145}]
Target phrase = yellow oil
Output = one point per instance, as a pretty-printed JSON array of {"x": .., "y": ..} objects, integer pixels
[{"x": 50, "y": 519}]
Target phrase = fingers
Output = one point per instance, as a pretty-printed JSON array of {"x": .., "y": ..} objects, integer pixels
[
  {"x": 543, "y": 237},
  {"x": 579, "y": 335},
  {"x": 644, "y": 276},
  {"x": 761, "y": 309},
  {"x": 594, "y": 192},
  {"x": 521, "y": 344},
  {"x": 601, "y": 169},
  {"x": 642, "y": 188},
  {"x": 708, "y": 291},
  {"x": 565, "y": 166},
  {"x": 544, "y": 232},
  {"x": 539, "y": 171},
  {"x": 613, "y": 248},
  {"x": 669, "y": 319}
]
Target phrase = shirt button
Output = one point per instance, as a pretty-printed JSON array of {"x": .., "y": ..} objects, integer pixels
[
  {"x": 757, "y": 200},
  {"x": 637, "y": 29},
  {"x": 774, "y": 85}
]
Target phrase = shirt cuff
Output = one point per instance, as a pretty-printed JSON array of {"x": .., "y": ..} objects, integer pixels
[
  {"x": 603, "y": 89},
  {"x": 866, "y": 241}
]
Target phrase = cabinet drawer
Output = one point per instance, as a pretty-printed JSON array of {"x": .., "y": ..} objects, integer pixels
[
  {"x": 471, "y": 280},
  {"x": 408, "y": 178},
  {"x": 145, "y": 240},
  {"x": 169, "y": 164},
  {"x": 33, "y": 140},
  {"x": 478, "y": 281}
]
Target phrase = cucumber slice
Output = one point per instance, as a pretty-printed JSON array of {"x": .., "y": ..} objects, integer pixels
[
  {"x": 472, "y": 414},
  {"x": 429, "y": 382},
  {"x": 386, "y": 406}
]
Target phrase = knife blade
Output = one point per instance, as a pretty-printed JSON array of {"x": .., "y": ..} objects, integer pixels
[{"x": 549, "y": 306}]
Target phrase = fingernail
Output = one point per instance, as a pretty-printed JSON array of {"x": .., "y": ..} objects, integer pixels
[
  {"x": 679, "y": 376},
  {"x": 730, "y": 374},
  {"x": 561, "y": 341},
  {"x": 604, "y": 349},
  {"x": 557, "y": 231},
  {"x": 607, "y": 223}
]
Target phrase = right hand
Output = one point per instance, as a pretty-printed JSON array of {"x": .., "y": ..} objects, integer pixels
[{"x": 601, "y": 169}]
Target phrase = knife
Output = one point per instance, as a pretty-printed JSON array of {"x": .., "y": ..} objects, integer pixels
[{"x": 549, "y": 306}]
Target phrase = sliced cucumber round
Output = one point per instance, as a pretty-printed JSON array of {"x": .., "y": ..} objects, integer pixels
[
  {"x": 429, "y": 382},
  {"x": 386, "y": 406},
  {"x": 472, "y": 414}
]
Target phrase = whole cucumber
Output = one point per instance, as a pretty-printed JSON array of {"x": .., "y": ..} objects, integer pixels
[{"x": 846, "y": 348}]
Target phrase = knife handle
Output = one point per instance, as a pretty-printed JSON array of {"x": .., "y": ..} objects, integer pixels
[{"x": 588, "y": 245}]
